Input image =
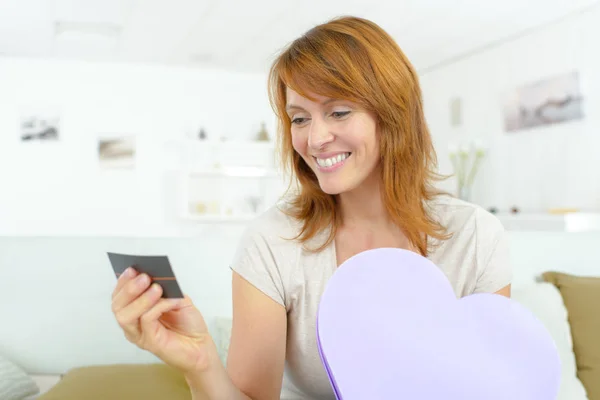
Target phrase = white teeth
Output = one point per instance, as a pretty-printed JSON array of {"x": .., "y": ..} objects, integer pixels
[{"x": 331, "y": 161}]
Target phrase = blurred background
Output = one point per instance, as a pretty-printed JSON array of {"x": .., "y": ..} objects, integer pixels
[
  {"x": 117, "y": 116},
  {"x": 143, "y": 127}
]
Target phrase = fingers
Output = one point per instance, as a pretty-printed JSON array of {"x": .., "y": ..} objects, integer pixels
[
  {"x": 130, "y": 291},
  {"x": 149, "y": 323},
  {"x": 137, "y": 306},
  {"x": 129, "y": 316},
  {"x": 125, "y": 277}
]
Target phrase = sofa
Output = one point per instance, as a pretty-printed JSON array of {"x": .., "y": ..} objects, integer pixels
[{"x": 59, "y": 340}]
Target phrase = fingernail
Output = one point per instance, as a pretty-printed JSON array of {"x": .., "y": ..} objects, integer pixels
[
  {"x": 128, "y": 272},
  {"x": 142, "y": 279},
  {"x": 155, "y": 287}
]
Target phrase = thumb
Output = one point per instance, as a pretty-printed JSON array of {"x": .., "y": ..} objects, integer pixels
[{"x": 185, "y": 302}]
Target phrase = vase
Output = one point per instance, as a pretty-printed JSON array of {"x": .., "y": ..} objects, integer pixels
[
  {"x": 263, "y": 135},
  {"x": 464, "y": 193}
]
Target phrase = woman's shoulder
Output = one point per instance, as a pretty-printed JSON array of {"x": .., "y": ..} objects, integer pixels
[
  {"x": 267, "y": 253},
  {"x": 274, "y": 232},
  {"x": 476, "y": 253},
  {"x": 274, "y": 224},
  {"x": 457, "y": 215}
]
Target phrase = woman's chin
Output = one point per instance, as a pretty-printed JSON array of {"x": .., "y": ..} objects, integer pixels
[
  {"x": 338, "y": 186},
  {"x": 332, "y": 188}
]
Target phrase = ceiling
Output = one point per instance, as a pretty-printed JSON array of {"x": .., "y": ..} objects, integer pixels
[{"x": 245, "y": 35}]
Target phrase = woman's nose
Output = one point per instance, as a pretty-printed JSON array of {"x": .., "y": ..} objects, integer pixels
[{"x": 319, "y": 135}]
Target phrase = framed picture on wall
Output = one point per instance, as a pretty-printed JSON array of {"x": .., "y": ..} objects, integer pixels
[
  {"x": 550, "y": 101},
  {"x": 117, "y": 152},
  {"x": 39, "y": 125}
]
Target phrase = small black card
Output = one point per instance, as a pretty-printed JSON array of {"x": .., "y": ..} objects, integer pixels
[{"x": 157, "y": 267}]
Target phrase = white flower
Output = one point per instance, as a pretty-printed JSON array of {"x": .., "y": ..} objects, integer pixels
[
  {"x": 479, "y": 148},
  {"x": 452, "y": 149},
  {"x": 464, "y": 150}
]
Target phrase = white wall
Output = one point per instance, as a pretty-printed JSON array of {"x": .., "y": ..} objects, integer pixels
[
  {"x": 59, "y": 189},
  {"x": 556, "y": 166}
]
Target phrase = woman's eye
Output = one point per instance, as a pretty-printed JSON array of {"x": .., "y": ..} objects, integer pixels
[
  {"x": 339, "y": 114},
  {"x": 298, "y": 121}
]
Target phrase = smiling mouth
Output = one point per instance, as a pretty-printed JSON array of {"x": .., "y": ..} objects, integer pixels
[{"x": 332, "y": 161}]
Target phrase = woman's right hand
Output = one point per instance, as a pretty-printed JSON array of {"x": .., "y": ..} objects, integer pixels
[{"x": 172, "y": 329}]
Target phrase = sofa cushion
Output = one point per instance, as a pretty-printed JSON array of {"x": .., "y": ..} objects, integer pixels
[
  {"x": 545, "y": 302},
  {"x": 15, "y": 384},
  {"x": 222, "y": 336},
  {"x": 121, "y": 381},
  {"x": 582, "y": 300}
]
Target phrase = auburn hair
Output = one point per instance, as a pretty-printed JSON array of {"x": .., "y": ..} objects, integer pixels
[{"x": 354, "y": 59}]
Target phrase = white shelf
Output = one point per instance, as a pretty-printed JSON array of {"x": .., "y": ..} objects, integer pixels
[
  {"x": 190, "y": 143},
  {"x": 208, "y": 193},
  {"x": 234, "y": 172},
  {"x": 570, "y": 222}
]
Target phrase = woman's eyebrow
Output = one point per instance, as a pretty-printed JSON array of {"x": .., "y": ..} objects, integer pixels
[
  {"x": 293, "y": 107},
  {"x": 324, "y": 103}
]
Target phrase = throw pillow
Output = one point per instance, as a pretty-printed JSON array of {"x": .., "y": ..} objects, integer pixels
[
  {"x": 582, "y": 300},
  {"x": 545, "y": 302},
  {"x": 121, "y": 381},
  {"x": 222, "y": 336},
  {"x": 15, "y": 384}
]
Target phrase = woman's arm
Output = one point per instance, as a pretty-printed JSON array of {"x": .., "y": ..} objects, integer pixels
[
  {"x": 258, "y": 342},
  {"x": 256, "y": 354},
  {"x": 505, "y": 291}
]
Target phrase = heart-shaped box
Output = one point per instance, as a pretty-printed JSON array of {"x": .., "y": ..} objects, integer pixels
[{"x": 389, "y": 326}]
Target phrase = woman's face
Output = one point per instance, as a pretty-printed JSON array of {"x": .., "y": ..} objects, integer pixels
[{"x": 336, "y": 138}]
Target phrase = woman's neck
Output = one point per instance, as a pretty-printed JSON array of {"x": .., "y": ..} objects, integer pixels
[
  {"x": 364, "y": 206},
  {"x": 366, "y": 223}
]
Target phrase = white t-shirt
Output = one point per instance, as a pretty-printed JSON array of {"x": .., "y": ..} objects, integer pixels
[{"x": 475, "y": 259}]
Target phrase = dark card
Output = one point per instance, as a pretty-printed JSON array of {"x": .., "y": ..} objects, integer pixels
[{"x": 157, "y": 267}]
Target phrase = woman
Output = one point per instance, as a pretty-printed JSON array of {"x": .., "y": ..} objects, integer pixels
[{"x": 353, "y": 132}]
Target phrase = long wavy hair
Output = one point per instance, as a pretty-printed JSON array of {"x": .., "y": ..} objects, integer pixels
[{"x": 354, "y": 59}]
